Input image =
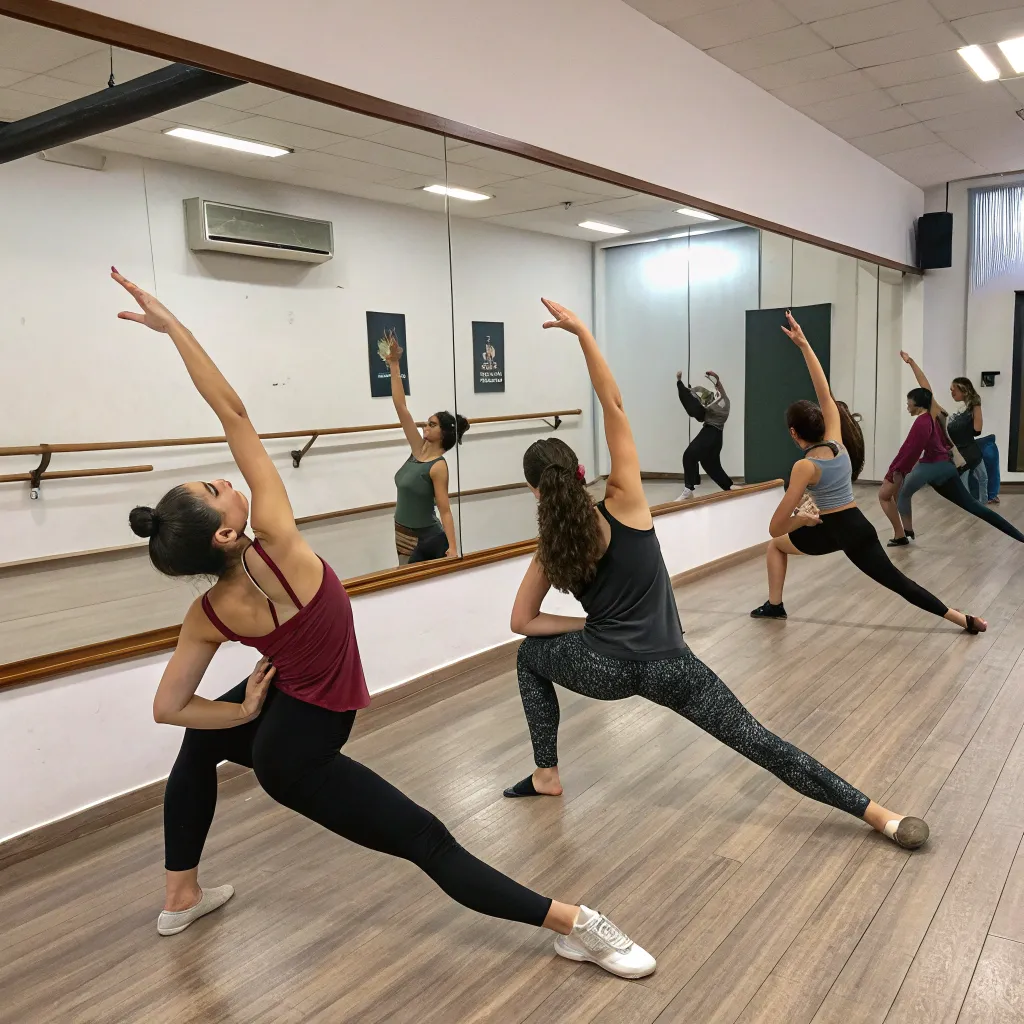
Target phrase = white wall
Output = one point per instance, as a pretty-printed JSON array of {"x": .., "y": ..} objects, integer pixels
[
  {"x": 290, "y": 337},
  {"x": 678, "y": 304},
  {"x": 969, "y": 331},
  {"x": 591, "y": 79},
  {"x": 83, "y": 738}
]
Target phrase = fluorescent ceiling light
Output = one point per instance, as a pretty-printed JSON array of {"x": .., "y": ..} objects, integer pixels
[
  {"x": 1013, "y": 51},
  {"x": 689, "y": 211},
  {"x": 227, "y": 142},
  {"x": 978, "y": 61},
  {"x": 456, "y": 193},
  {"x": 606, "y": 229}
]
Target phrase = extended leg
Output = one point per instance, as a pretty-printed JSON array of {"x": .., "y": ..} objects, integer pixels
[{"x": 953, "y": 490}]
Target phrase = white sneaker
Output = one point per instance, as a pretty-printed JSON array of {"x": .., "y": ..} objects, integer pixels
[
  {"x": 595, "y": 939},
  {"x": 171, "y": 922},
  {"x": 686, "y": 495}
]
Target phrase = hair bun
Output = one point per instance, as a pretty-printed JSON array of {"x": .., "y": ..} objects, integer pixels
[
  {"x": 143, "y": 521},
  {"x": 461, "y": 426}
]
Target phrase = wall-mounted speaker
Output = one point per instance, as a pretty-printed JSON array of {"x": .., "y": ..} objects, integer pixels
[{"x": 935, "y": 241}]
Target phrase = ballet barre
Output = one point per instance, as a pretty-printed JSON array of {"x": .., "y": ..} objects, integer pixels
[{"x": 46, "y": 451}]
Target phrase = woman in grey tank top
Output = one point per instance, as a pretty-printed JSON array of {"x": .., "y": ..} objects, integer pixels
[
  {"x": 631, "y": 642},
  {"x": 422, "y": 480},
  {"x": 833, "y": 448}
]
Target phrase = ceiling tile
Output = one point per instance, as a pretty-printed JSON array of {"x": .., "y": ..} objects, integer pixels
[
  {"x": 413, "y": 140},
  {"x": 669, "y": 10},
  {"x": 998, "y": 118},
  {"x": 770, "y": 49},
  {"x": 732, "y": 24},
  {"x": 248, "y": 96},
  {"x": 901, "y": 46},
  {"x": 567, "y": 179},
  {"x": 988, "y": 94},
  {"x": 25, "y": 47},
  {"x": 952, "y": 9},
  {"x": 492, "y": 160},
  {"x": 9, "y": 76},
  {"x": 993, "y": 148},
  {"x": 94, "y": 68},
  {"x": 871, "y": 123},
  {"x": 803, "y": 94},
  {"x": 339, "y": 166},
  {"x": 53, "y": 88},
  {"x": 802, "y": 69},
  {"x": 1016, "y": 87},
  {"x": 935, "y": 88},
  {"x": 204, "y": 114},
  {"x": 878, "y": 22},
  {"x": 896, "y": 139},
  {"x": 468, "y": 176},
  {"x": 16, "y": 105},
  {"x": 992, "y": 27},
  {"x": 815, "y": 10},
  {"x": 931, "y": 165},
  {"x": 401, "y": 159},
  {"x": 299, "y": 110},
  {"x": 918, "y": 69},
  {"x": 848, "y": 106},
  {"x": 281, "y": 133}
]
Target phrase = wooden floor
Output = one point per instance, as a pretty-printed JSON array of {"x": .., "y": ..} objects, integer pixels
[
  {"x": 760, "y": 905},
  {"x": 57, "y": 605}
]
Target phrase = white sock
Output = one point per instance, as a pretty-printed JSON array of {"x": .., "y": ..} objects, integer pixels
[
  {"x": 584, "y": 917},
  {"x": 891, "y": 827}
]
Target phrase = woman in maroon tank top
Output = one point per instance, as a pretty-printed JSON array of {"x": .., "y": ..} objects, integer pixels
[{"x": 290, "y": 718}]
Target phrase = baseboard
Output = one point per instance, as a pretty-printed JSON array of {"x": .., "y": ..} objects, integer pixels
[{"x": 385, "y": 708}]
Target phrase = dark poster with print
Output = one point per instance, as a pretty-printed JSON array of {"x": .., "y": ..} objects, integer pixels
[
  {"x": 488, "y": 356},
  {"x": 381, "y": 328}
]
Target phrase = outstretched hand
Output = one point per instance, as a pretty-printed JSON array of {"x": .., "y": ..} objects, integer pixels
[
  {"x": 564, "y": 318},
  {"x": 394, "y": 349},
  {"x": 155, "y": 315},
  {"x": 906, "y": 358},
  {"x": 794, "y": 331}
]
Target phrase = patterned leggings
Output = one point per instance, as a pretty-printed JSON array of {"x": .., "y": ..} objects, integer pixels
[{"x": 685, "y": 685}]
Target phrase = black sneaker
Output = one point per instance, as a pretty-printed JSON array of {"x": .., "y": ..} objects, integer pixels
[
  {"x": 769, "y": 611},
  {"x": 897, "y": 542}
]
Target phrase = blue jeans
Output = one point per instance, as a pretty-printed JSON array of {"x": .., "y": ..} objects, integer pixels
[
  {"x": 990, "y": 453},
  {"x": 976, "y": 481}
]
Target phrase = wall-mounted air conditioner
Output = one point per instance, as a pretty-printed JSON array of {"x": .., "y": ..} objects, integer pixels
[{"x": 221, "y": 227}]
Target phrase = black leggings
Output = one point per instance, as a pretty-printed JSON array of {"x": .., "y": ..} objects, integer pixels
[
  {"x": 850, "y": 531},
  {"x": 705, "y": 449},
  {"x": 294, "y": 749},
  {"x": 686, "y": 686}
]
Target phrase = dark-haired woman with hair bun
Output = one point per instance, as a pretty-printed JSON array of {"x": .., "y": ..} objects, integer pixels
[
  {"x": 835, "y": 523},
  {"x": 275, "y": 594},
  {"x": 422, "y": 480},
  {"x": 631, "y": 641}
]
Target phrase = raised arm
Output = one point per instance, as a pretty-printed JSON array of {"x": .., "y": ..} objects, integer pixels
[
  {"x": 412, "y": 432},
  {"x": 717, "y": 382},
  {"x": 922, "y": 381},
  {"x": 690, "y": 402},
  {"x": 827, "y": 404},
  {"x": 624, "y": 488},
  {"x": 271, "y": 515}
]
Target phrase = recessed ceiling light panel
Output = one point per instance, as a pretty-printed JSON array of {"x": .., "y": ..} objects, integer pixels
[
  {"x": 227, "y": 142},
  {"x": 979, "y": 62},
  {"x": 456, "y": 193},
  {"x": 604, "y": 229},
  {"x": 689, "y": 211},
  {"x": 1013, "y": 51}
]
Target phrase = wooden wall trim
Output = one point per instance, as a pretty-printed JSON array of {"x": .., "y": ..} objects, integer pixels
[
  {"x": 385, "y": 708},
  {"x": 156, "y": 640},
  {"x": 159, "y": 44}
]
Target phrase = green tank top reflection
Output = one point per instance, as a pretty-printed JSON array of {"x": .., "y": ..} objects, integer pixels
[{"x": 415, "y": 506}]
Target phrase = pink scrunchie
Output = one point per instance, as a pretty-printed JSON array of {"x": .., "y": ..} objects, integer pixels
[{"x": 581, "y": 472}]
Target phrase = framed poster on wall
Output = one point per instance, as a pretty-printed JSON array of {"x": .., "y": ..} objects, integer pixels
[
  {"x": 488, "y": 356},
  {"x": 381, "y": 330}
]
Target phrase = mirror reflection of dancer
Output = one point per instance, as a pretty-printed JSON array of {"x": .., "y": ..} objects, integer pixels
[
  {"x": 829, "y": 430},
  {"x": 293, "y": 715},
  {"x": 706, "y": 448},
  {"x": 422, "y": 480},
  {"x": 925, "y": 460},
  {"x": 980, "y": 454},
  {"x": 631, "y": 641}
]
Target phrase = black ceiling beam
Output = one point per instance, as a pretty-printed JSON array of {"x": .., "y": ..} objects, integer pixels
[{"x": 120, "y": 105}]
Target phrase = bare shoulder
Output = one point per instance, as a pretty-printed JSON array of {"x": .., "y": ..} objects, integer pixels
[{"x": 197, "y": 626}]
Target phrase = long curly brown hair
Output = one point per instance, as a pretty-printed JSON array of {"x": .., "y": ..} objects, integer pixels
[{"x": 570, "y": 541}]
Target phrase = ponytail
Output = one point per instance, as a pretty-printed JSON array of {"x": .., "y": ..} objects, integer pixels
[
  {"x": 569, "y": 542},
  {"x": 853, "y": 437}
]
